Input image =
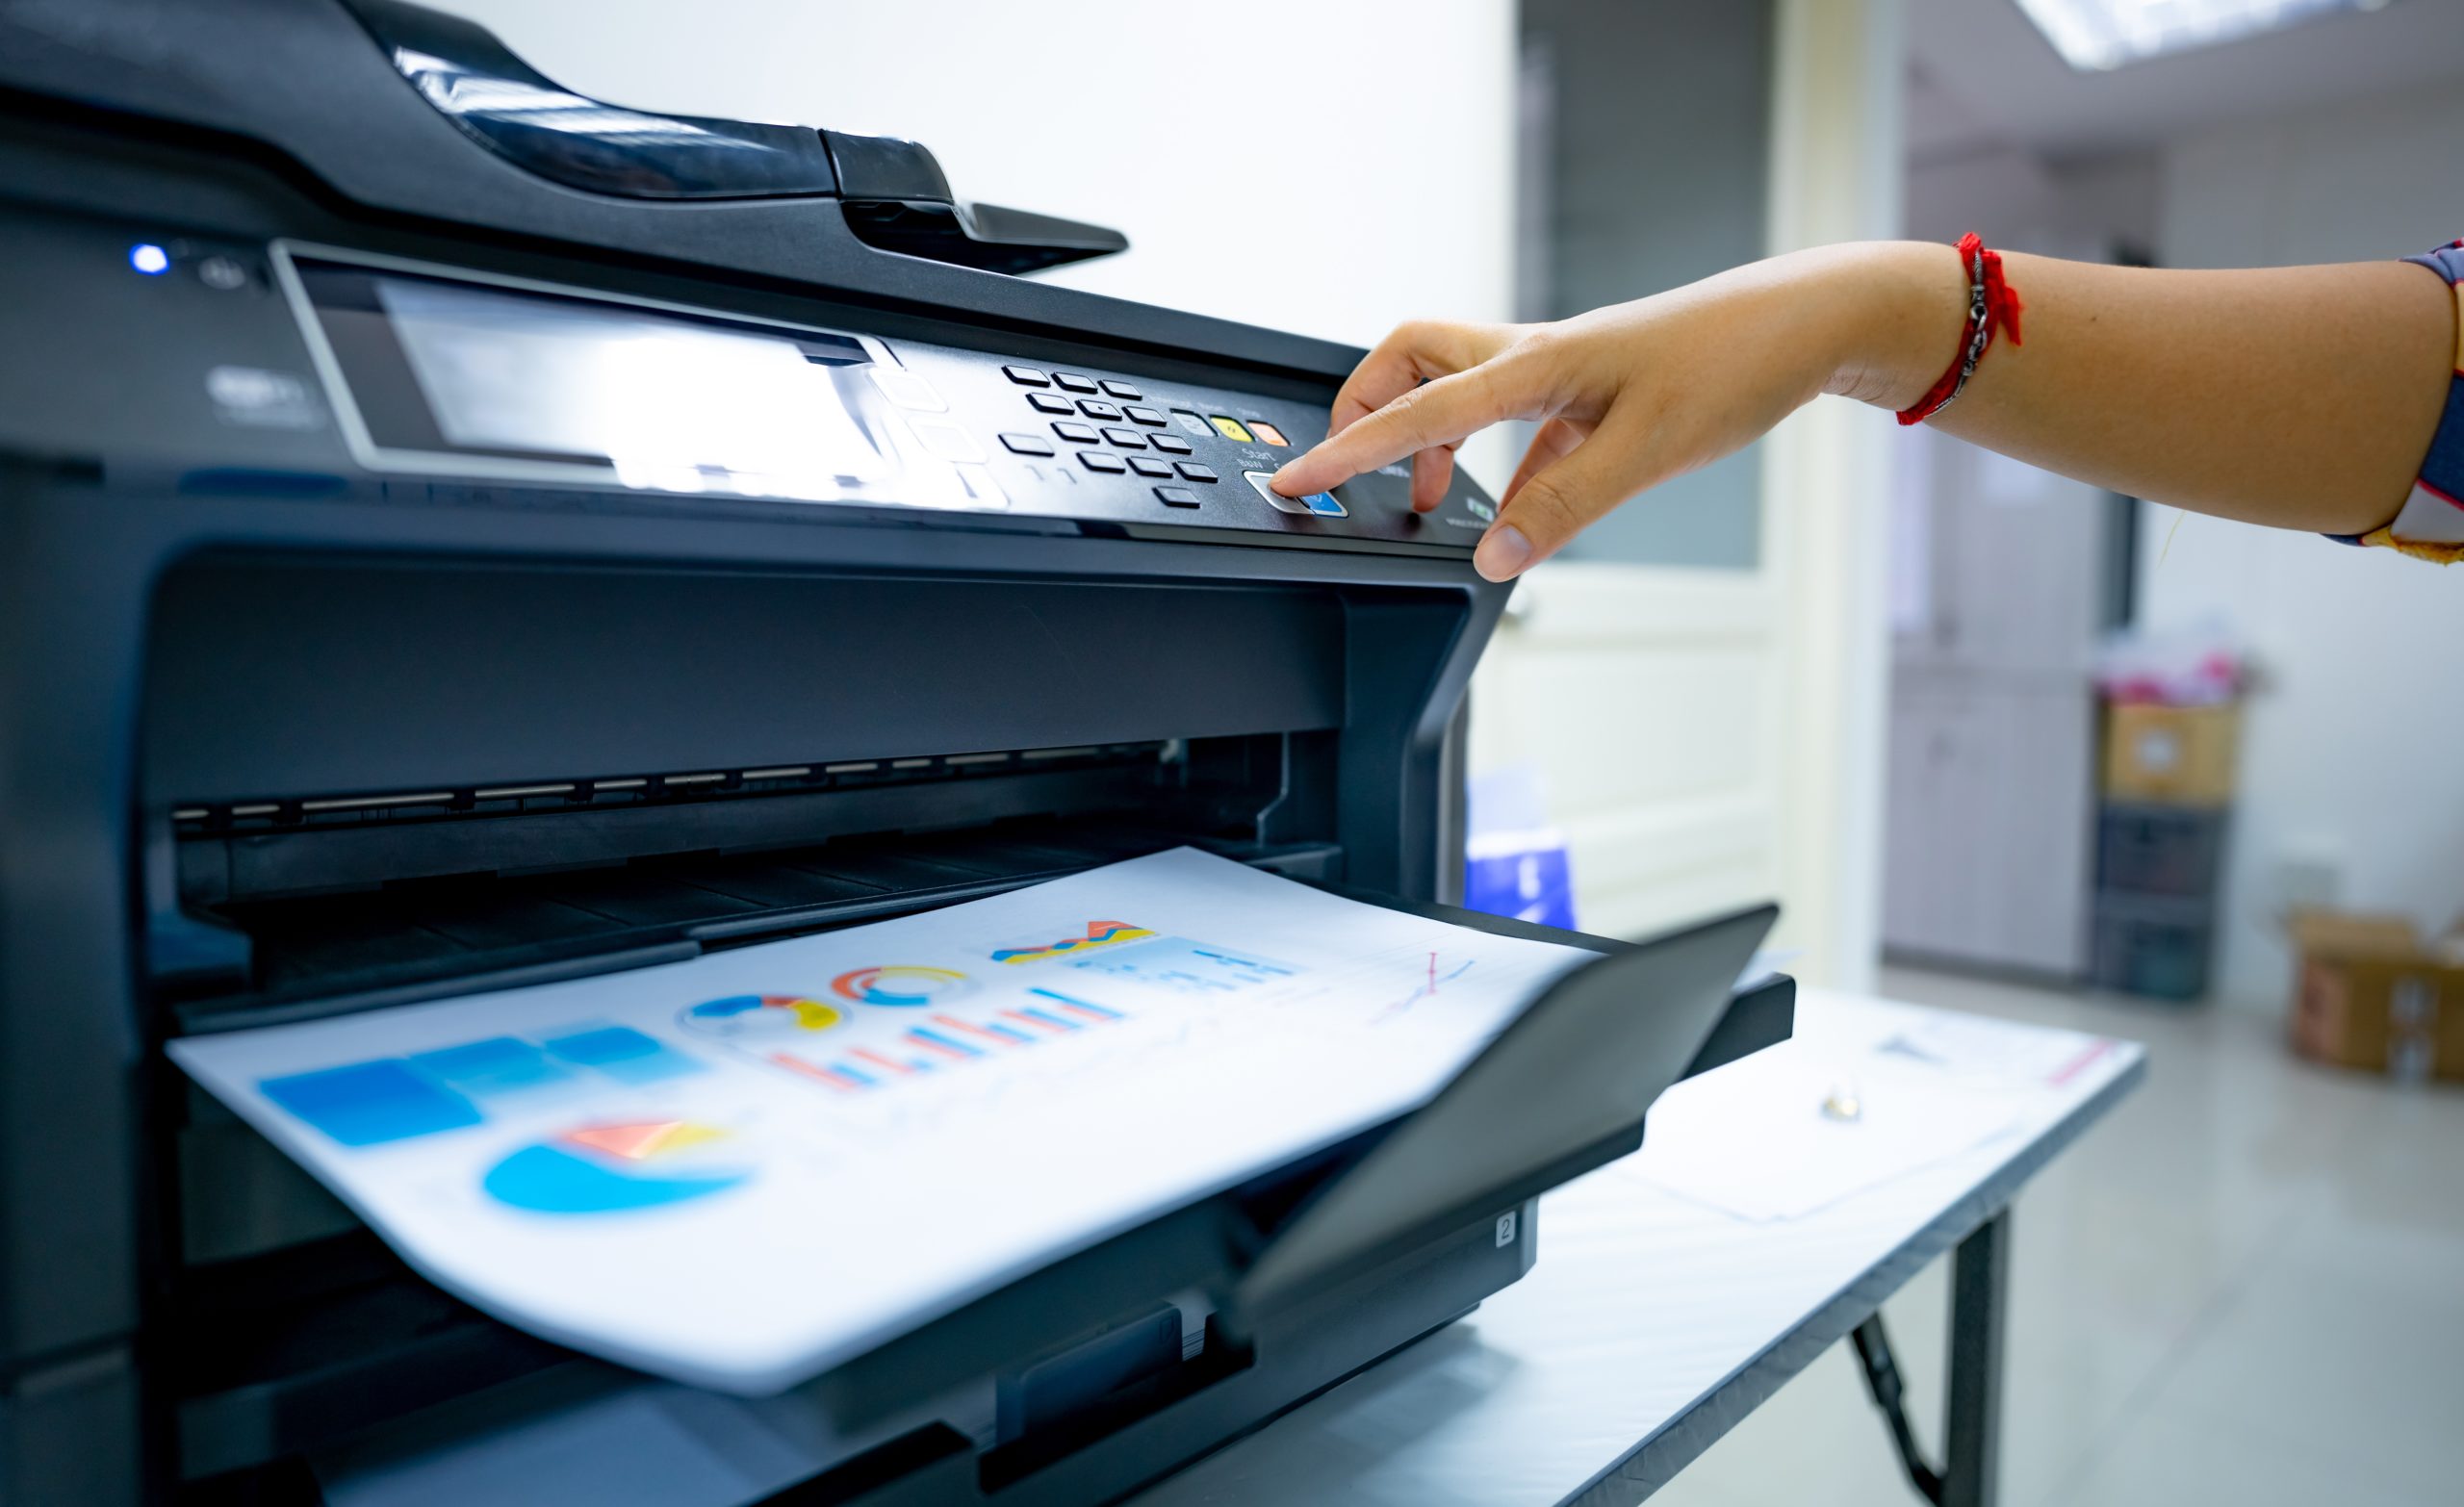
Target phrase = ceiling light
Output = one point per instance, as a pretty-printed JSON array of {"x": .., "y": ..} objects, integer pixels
[{"x": 2106, "y": 34}]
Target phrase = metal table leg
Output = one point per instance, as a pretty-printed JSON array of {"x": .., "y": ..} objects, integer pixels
[{"x": 1972, "y": 1423}]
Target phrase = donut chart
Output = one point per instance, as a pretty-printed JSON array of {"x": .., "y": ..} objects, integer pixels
[{"x": 902, "y": 986}]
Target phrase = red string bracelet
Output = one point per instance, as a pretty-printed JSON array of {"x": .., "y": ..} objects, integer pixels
[{"x": 1992, "y": 305}]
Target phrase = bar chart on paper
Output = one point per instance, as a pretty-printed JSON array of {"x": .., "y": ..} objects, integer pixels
[
  {"x": 1181, "y": 966},
  {"x": 947, "y": 1039}
]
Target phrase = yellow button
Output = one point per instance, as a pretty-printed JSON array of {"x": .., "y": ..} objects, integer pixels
[
  {"x": 1269, "y": 433},
  {"x": 1229, "y": 428}
]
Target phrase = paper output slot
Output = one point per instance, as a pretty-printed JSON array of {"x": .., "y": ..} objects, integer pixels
[
  {"x": 584, "y": 790},
  {"x": 361, "y": 803}
]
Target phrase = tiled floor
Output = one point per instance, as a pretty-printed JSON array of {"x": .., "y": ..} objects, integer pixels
[{"x": 2246, "y": 1287}]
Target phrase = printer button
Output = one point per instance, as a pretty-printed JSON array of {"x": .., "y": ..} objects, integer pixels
[
  {"x": 1102, "y": 460},
  {"x": 1148, "y": 466},
  {"x": 1027, "y": 443},
  {"x": 1176, "y": 496},
  {"x": 1073, "y": 382},
  {"x": 1122, "y": 389},
  {"x": 1169, "y": 444},
  {"x": 1281, "y": 503},
  {"x": 1193, "y": 471},
  {"x": 1049, "y": 403},
  {"x": 1026, "y": 376},
  {"x": 1126, "y": 439},
  {"x": 1074, "y": 433},
  {"x": 1097, "y": 408},
  {"x": 1317, "y": 504},
  {"x": 1147, "y": 415}
]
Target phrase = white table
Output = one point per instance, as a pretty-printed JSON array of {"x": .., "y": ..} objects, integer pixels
[{"x": 1654, "y": 1324}]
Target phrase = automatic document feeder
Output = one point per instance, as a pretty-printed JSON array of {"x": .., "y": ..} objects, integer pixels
[{"x": 463, "y": 535}]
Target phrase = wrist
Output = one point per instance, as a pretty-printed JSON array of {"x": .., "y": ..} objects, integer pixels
[{"x": 1895, "y": 310}]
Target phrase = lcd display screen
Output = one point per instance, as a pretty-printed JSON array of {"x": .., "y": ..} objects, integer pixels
[{"x": 664, "y": 400}]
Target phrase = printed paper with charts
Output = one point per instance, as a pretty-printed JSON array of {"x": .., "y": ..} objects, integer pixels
[{"x": 740, "y": 1169}]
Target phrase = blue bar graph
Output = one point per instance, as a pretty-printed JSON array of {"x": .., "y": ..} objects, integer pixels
[
  {"x": 1083, "y": 1006},
  {"x": 934, "y": 1039}
]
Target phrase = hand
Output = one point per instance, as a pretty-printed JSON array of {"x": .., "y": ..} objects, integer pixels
[{"x": 1629, "y": 396}]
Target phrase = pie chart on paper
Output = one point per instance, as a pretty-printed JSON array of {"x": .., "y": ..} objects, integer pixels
[
  {"x": 614, "y": 1167},
  {"x": 761, "y": 1016}
]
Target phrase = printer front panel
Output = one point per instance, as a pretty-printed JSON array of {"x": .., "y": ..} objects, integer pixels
[{"x": 339, "y": 712}]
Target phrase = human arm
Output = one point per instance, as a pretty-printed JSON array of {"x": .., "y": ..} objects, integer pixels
[{"x": 2301, "y": 398}]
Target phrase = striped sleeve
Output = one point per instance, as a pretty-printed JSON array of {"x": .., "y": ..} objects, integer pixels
[{"x": 2431, "y": 524}]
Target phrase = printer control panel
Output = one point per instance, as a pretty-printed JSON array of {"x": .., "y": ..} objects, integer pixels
[
  {"x": 450, "y": 374},
  {"x": 1128, "y": 447}
]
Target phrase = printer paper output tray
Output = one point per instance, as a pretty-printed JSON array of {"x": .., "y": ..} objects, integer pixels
[{"x": 1115, "y": 1366}]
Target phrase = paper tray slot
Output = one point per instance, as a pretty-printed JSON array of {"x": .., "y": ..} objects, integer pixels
[
  {"x": 329, "y": 954},
  {"x": 280, "y": 1344}
]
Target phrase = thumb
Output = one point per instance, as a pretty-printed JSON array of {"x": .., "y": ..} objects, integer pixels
[{"x": 1565, "y": 498}]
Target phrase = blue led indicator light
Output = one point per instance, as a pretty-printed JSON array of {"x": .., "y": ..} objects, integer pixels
[{"x": 150, "y": 259}]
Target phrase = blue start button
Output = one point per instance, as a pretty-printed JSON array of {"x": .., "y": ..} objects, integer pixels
[{"x": 1321, "y": 504}]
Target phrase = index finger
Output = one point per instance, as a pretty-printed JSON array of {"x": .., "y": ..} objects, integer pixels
[{"x": 1419, "y": 419}]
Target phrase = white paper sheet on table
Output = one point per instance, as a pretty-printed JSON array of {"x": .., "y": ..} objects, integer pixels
[
  {"x": 740, "y": 1169},
  {"x": 1987, "y": 1053},
  {"x": 1761, "y": 1139}
]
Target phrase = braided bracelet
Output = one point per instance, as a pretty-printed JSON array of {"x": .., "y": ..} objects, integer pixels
[{"x": 1992, "y": 305}]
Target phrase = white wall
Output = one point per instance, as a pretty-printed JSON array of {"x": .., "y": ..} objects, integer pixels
[
  {"x": 2015, "y": 199},
  {"x": 1327, "y": 168},
  {"x": 2356, "y": 755}
]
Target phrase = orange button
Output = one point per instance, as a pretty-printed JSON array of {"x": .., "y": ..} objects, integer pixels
[
  {"x": 1229, "y": 428},
  {"x": 1269, "y": 433}
]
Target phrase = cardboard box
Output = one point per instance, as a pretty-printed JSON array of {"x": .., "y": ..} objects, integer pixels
[
  {"x": 2369, "y": 992},
  {"x": 2180, "y": 755}
]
